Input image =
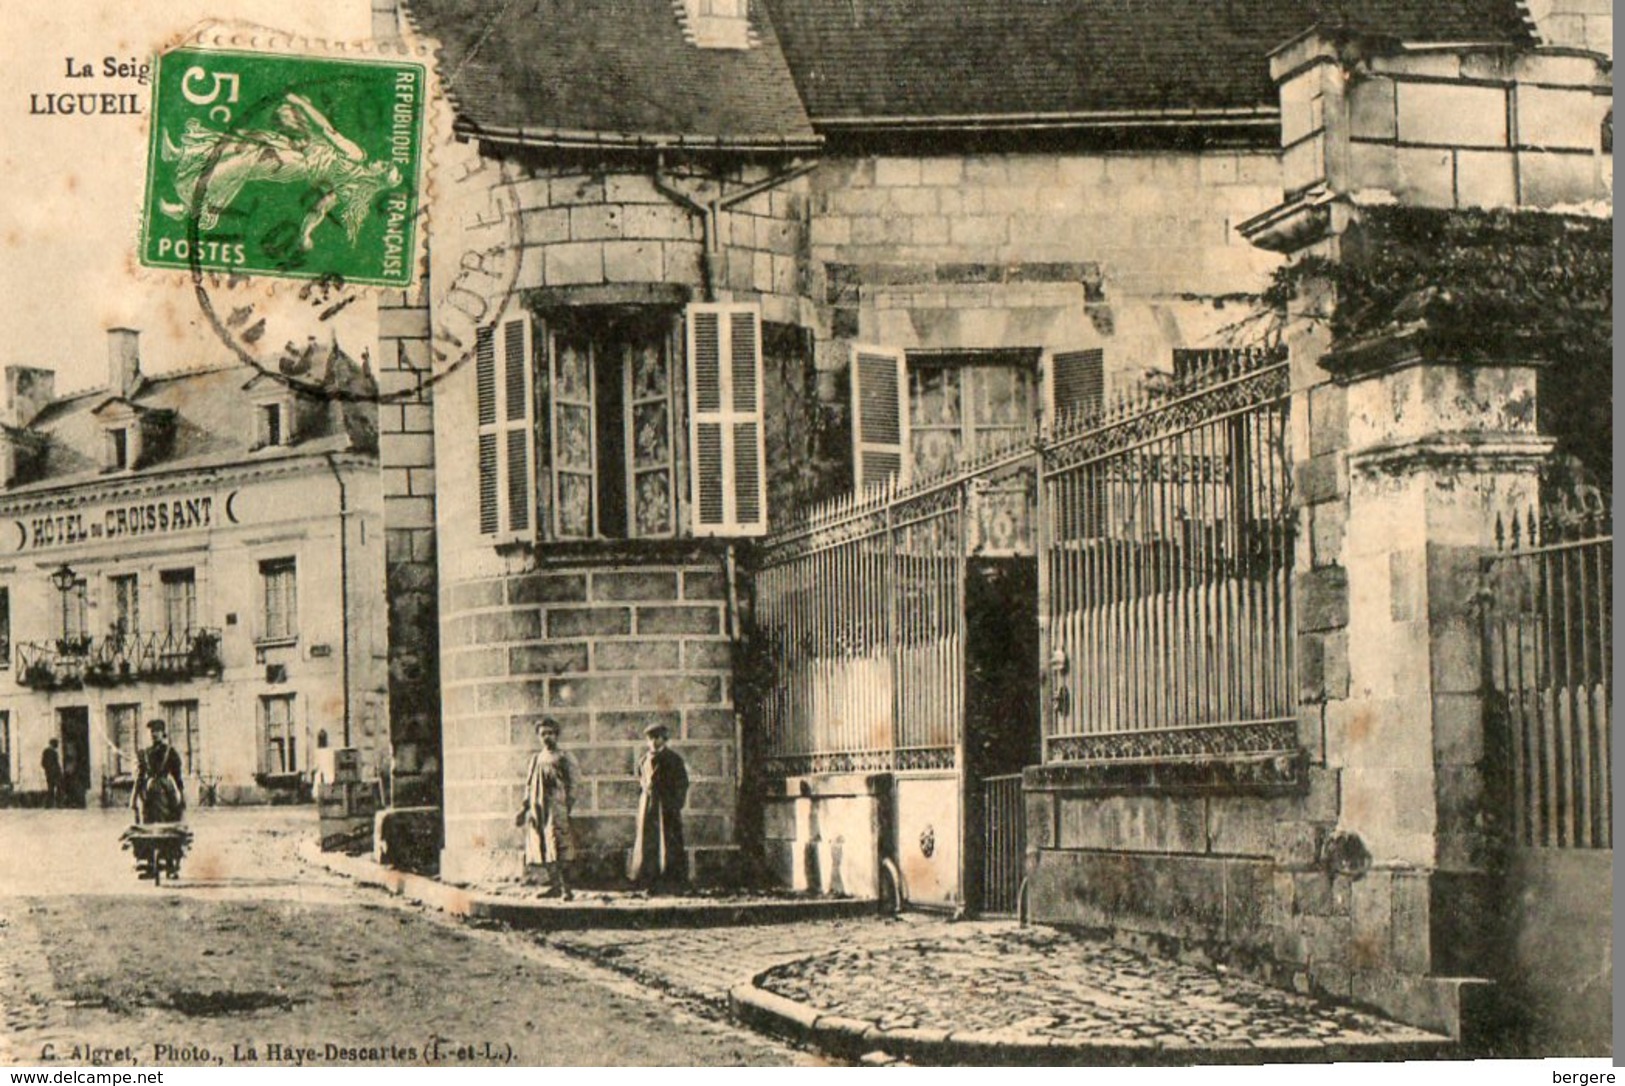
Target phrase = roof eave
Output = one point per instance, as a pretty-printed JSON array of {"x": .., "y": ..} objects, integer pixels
[
  {"x": 585, "y": 140},
  {"x": 1232, "y": 117}
]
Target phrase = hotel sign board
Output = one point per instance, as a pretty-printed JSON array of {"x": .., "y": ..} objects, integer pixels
[{"x": 124, "y": 520}]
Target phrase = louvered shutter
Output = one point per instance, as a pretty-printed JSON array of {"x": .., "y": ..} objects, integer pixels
[
  {"x": 1074, "y": 385},
  {"x": 503, "y": 383},
  {"x": 879, "y": 415},
  {"x": 727, "y": 475}
]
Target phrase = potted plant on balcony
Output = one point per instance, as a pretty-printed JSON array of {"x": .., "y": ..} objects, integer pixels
[
  {"x": 37, "y": 675},
  {"x": 204, "y": 657}
]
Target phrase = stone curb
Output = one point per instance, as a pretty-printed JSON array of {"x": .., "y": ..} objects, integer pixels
[
  {"x": 771, "y": 1013},
  {"x": 561, "y": 917}
]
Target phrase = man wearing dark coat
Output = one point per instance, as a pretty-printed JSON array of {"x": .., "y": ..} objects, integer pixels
[
  {"x": 659, "y": 860},
  {"x": 160, "y": 787},
  {"x": 51, "y": 762}
]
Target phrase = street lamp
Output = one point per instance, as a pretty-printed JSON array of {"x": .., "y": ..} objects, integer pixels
[{"x": 64, "y": 578}]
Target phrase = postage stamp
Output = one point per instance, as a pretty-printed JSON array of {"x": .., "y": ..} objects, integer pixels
[{"x": 293, "y": 166}]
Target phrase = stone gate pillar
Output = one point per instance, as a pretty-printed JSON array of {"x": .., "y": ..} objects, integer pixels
[{"x": 1437, "y": 450}]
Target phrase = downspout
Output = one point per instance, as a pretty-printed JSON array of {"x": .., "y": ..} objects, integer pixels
[
  {"x": 710, "y": 214},
  {"x": 344, "y": 586},
  {"x": 708, "y": 225}
]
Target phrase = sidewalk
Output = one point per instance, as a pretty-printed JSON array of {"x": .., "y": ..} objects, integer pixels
[
  {"x": 526, "y": 908},
  {"x": 919, "y": 987}
]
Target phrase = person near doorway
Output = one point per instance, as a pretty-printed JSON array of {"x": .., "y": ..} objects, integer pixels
[
  {"x": 160, "y": 788},
  {"x": 659, "y": 860},
  {"x": 550, "y": 789},
  {"x": 51, "y": 762}
]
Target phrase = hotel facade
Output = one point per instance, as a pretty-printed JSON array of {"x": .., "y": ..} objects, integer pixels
[{"x": 201, "y": 548}]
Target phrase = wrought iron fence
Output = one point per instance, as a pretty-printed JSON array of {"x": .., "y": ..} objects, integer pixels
[
  {"x": 1548, "y": 643},
  {"x": 860, "y": 620},
  {"x": 1166, "y": 543}
]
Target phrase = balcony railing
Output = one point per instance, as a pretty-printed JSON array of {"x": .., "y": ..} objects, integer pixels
[{"x": 67, "y": 663}]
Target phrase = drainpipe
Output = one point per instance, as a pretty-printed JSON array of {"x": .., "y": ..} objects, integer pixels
[
  {"x": 344, "y": 586},
  {"x": 710, "y": 214}
]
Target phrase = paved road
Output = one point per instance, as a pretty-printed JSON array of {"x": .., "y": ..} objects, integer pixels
[{"x": 254, "y": 958}]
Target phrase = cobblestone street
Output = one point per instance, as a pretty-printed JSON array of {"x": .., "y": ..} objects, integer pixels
[
  {"x": 252, "y": 958},
  {"x": 992, "y": 982}
]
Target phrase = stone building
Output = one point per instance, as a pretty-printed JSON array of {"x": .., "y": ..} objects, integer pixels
[
  {"x": 202, "y": 547},
  {"x": 808, "y": 173},
  {"x": 897, "y": 401}
]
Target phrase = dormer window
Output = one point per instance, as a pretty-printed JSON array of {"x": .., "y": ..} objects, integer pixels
[
  {"x": 133, "y": 436},
  {"x": 272, "y": 425},
  {"x": 118, "y": 448},
  {"x": 284, "y": 413}
]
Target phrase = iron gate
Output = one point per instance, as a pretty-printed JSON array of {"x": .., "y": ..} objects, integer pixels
[
  {"x": 1548, "y": 647},
  {"x": 1004, "y": 836}
]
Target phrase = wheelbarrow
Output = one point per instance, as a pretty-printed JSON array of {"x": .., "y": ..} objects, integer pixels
[{"x": 158, "y": 849}]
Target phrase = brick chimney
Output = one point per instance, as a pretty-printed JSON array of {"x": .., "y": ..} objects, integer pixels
[
  {"x": 29, "y": 390},
  {"x": 123, "y": 360}
]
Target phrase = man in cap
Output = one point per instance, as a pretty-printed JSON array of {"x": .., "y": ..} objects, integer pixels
[
  {"x": 160, "y": 787},
  {"x": 550, "y": 788},
  {"x": 659, "y": 860}
]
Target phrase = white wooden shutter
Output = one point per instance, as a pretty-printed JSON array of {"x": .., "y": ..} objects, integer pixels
[
  {"x": 879, "y": 416},
  {"x": 727, "y": 474},
  {"x": 504, "y": 395},
  {"x": 1074, "y": 385}
]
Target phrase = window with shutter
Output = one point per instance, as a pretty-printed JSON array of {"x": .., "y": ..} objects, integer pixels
[
  {"x": 727, "y": 474},
  {"x": 506, "y": 428},
  {"x": 880, "y": 422}
]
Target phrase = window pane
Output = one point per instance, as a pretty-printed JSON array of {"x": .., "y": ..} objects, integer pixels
[
  {"x": 936, "y": 452},
  {"x": 648, "y": 371},
  {"x": 180, "y": 601},
  {"x": 935, "y": 399},
  {"x": 1001, "y": 396},
  {"x": 654, "y": 503},
  {"x": 575, "y": 438},
  {"x": 574, "y": 375},
  {"x": 575, "y": 506},
  {"x": 651, "y": 435}
]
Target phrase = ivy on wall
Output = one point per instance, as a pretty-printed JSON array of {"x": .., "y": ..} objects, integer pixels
[{"x": 1487, "y": 286}]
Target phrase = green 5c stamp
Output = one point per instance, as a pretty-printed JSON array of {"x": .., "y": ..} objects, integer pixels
[{"x": 280, "y": 165}]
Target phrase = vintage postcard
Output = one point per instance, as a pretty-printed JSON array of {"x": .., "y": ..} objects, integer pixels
[{"x": 806, "y": 533}]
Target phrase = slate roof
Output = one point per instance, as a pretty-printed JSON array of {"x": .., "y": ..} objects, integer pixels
[
  {"x": 214, "y": 424},
  {"x": 618, "y": 72},
  {"x": 903, "y": 60},
  {"x": 597, "y": 72}
]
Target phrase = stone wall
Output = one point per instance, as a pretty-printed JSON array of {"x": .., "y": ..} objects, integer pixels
[
  {"x": 593, "y": 222},
  {"x": 606, "y": 648},
  {"x": 1364, "y": 867},
  {"x": 1446, "y": 127},
  {"x": 406, "y": 453},
  {"x": 1134, "y": 252}
]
